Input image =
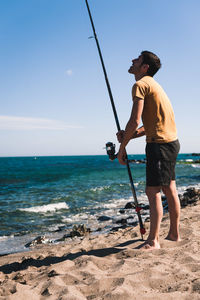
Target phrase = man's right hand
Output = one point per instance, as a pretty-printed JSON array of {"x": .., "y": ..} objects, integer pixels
[{"x": 120, "y": 135}]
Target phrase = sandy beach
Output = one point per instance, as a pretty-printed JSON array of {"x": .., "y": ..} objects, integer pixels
[{"x": 107, "y": 266}]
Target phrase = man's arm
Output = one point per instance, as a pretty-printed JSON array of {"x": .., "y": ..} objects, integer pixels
[
  {"x": 139, "y": 132},
  {"x": 131, "y": 128}
]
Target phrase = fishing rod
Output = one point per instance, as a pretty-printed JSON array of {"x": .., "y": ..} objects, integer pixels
[{"x": 109, "y": 146}]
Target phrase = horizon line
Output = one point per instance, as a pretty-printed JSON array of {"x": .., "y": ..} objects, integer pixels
[{"x": 63, "y": 155}]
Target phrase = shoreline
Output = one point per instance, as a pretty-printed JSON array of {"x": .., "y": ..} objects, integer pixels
[
  {"x": 108, "y": 266},
  {"x": 127, "y": 218}
]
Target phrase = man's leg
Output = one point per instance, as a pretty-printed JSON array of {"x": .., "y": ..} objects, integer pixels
[
  {"x": 156, "y": 214},
  {"x": 174, "y": 210}
]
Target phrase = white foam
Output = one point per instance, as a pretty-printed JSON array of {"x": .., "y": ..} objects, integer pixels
[
  {"x": 46, "y": 208},
  {"x": 182, "y": 189},
  {"x": 56, "y": 227},
  {"x": 100, "y": 188},
  {"x": 114, "y": 203},
  {"x": 78, "y": 217},
  {"x": 4, "y": 237},
  {"x": 195, "y": 165},
  {"x": 67, "y": 220},
  {"x": 120, "y": 203},
  {"x": 106, "y": 187}
]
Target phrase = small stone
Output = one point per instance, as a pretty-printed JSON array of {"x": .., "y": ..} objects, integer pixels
[
  {"x": 38, "y": 240},
  {"x": 129, "y": 205},
  {"x": 122, "y": 221},
  {"x": 103, "y": 218},
  {"x": 46, "y": 292},
  {"x": 13, "y": 289},
  {"x": 118, "y": 228},
  {"x": 134, "y": 234},
  {"x": 52, "y": 273},
  {"x": 145, "y": 206}
]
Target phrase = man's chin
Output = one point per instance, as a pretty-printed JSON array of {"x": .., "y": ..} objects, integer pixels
[{"x": 130, "y": 71}]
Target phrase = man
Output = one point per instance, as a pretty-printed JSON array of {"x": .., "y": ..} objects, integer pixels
[{"x": 151, "y": 103}]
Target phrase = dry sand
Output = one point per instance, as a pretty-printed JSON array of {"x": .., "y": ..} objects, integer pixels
[{"x": 108, "y": 267}]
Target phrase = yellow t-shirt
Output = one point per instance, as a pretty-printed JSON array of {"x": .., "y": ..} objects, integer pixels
[{"x": 158, "y": 116}]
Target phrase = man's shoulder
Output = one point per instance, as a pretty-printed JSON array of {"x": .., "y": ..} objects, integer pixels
[
  {"x": 151, "y": 83},
  {"x": 146, "y": 80},
  {"x": 144, "y": 83}
]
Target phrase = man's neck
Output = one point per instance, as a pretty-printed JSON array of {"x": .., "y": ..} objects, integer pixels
[{"x": 139, "y": 76}]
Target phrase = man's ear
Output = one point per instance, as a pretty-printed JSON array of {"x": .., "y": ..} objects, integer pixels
[{"x": 145, "y": 67}]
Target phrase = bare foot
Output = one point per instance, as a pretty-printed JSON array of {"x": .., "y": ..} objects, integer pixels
[
  {"x": 149, "y": 245},
  {"x": 173, "y": 238}
]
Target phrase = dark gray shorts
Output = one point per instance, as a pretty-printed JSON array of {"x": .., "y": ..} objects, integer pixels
[{"x": 161, "y": 161}]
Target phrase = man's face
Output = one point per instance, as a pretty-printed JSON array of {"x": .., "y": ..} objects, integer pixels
[{"x": 135, "y": 68}]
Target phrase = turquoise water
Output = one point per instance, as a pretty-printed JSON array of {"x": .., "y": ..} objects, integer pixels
[{"x": 43, "y": 194}]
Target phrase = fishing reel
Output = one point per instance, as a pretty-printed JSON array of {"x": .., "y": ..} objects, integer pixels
[{"x": 110, "y": 149}]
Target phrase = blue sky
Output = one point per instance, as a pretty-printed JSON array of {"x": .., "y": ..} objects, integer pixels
[{"x": 53, "y": 95}]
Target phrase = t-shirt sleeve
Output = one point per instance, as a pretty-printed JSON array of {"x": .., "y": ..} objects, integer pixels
[{"x": 139, "y": 90}]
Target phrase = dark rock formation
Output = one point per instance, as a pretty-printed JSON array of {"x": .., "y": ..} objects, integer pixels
[
  {"x": 190, "y": 197},
  {"x": 79, "y": 230},
  {"x": 37, "y": 241}
]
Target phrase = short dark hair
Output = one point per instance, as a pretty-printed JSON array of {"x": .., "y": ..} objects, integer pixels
[{"x": 152, "y": 60}]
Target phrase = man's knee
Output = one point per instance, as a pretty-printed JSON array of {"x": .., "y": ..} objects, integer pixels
[
  {"x": 169, "y": 188},
  {"x": 152, "y": 190}
]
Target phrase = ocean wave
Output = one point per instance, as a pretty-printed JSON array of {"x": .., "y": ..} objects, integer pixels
[
  {"x": 79, "y": 218},
  {"x": 109, "y": 209},
  {"x": 107, "y": 187},
  {"x": 3, "y": 237},
  {"x": 100, "y": 188},
  {"x": 46, "y": 208},
  {"x": 120, "y": 203},
  {"x": 195, "y": 165},
  {"x": 182, "y": 189},
  {"x": 115, "y": 203}
]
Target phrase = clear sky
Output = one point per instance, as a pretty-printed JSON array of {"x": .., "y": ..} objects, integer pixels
[{"x": 54, "y": 100}]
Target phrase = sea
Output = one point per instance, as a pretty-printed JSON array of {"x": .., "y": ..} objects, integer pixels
[{"x": 49, "y": 195}]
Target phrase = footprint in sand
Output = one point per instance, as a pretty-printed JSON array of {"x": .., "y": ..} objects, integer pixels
[
  {"x": 196, "y": 285},
  {"x": 193, "y": 267},
  {"x": 170, "y": 244},
  {"x": 102, "y": 286}
]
